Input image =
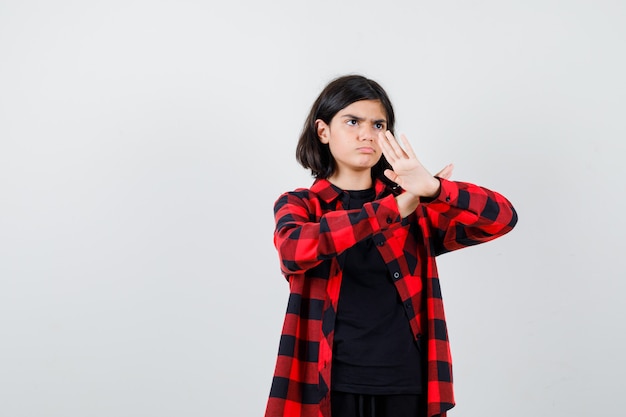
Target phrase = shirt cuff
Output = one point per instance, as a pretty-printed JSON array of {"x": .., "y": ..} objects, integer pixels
[
  {"x": 448, "y": 193},
  {"x": 386, "y": 212}
]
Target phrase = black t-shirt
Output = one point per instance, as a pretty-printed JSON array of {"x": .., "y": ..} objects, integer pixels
[{"x": 374, "y": 350}]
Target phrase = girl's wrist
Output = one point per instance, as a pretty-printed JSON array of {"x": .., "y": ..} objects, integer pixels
[
  {"x": 436, "y": 188},
  {"x": 407, "y": 203}
]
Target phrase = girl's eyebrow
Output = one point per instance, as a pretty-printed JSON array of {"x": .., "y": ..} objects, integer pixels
[{"x": 351, "y": 116}]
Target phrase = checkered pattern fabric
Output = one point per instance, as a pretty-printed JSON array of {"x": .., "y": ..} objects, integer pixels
[{"x": 313, "y": 230}]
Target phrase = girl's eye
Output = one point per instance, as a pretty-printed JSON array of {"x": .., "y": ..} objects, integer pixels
[
  {"x": 352, "y": 122},
  {"x": 379, "y": 126}
]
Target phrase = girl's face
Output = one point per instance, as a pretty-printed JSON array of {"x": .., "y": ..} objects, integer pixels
[{"x": 351, "y": 136}]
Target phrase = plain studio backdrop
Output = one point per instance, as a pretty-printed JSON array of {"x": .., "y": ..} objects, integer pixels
[{"x": 143, "y": 144}]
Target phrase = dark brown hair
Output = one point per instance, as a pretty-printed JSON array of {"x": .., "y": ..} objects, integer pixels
[{"x": 311, "y": 153}]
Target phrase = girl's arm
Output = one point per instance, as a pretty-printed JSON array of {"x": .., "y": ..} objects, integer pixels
[
  {"x": 460, "y": 214},
  {"x": 304, "y": 237},
  {"x": 464, "y": 214}
]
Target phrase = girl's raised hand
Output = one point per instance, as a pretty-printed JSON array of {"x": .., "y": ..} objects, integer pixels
[{"x": 408, "y": 172}]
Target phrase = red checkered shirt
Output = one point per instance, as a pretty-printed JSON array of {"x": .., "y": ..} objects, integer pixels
[{"x": 313, "y": 230}]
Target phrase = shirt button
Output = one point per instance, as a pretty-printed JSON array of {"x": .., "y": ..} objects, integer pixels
[
  {"x": 396, "y": 275},
  {"x": 408, "y": 305},
  {"x": 447, "y": 199},
  {"x": 381, "y": 243},
  {"x": 389, "y": 220}
]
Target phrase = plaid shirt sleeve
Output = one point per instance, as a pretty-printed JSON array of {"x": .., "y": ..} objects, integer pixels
[
  {"x": 465, "y": 214},
  {"x": 304, "y": 240}
]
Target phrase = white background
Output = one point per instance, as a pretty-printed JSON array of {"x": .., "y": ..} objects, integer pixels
[{"x": 143, "y": 144}]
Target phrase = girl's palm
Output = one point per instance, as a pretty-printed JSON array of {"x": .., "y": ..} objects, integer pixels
[{"x": 408, "y": 172}]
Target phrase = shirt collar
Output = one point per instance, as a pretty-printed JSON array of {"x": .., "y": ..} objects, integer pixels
[{"x": 329, "y": 192}]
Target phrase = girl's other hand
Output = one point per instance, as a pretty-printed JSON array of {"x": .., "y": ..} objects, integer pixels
[{"x": 446, "y": 172}]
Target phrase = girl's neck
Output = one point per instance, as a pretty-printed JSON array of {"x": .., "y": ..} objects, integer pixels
[{"x": 352, "y": 182}]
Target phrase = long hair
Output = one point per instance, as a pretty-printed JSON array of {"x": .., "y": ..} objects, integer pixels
[{"x": 311, "y": 153}]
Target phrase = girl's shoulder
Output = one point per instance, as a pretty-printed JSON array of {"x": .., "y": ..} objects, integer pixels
[{"x": 321, "y": 189}]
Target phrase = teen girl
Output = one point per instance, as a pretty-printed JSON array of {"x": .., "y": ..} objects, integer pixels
[{"x": 365, "y": 331}]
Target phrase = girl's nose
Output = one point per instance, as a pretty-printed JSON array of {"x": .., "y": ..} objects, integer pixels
[{"x": 368, "y": 133}]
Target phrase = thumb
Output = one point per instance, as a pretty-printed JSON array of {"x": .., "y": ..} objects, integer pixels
[{"x": 391, "y": 175}]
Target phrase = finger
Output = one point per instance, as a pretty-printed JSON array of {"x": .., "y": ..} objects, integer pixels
[
  {"x": 450, "y": 169},
  {"x": 391, "y": 175},
  {"x": 408, "y": 147},
  {"x": 383, "y": 143},
  {"x": 395, "y": 145},
  {"x": 442, "y": 173},
  {"x": 446, "y": 172}
]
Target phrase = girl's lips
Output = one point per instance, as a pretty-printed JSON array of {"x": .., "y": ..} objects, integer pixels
[{"x": 366, "y": 149}]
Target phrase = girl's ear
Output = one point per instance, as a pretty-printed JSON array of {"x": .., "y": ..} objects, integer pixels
[{"x": 323, "y": 131}]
